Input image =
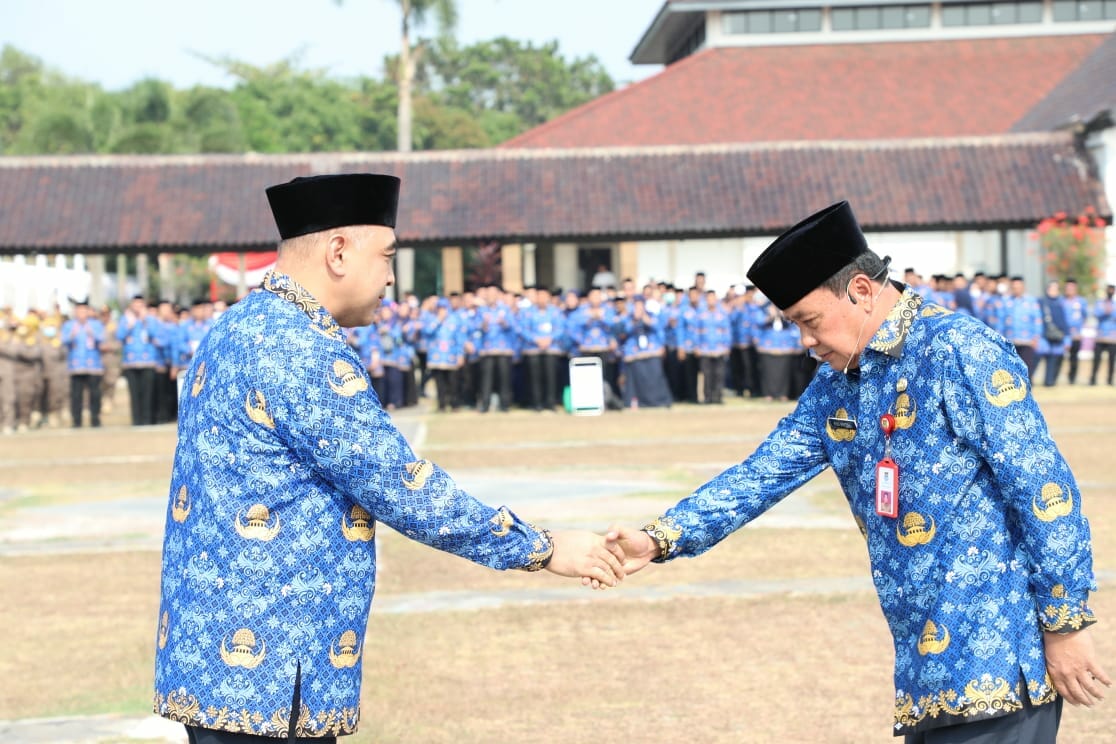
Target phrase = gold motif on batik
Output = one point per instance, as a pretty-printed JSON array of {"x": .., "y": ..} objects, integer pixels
[
  {"x": 933, "y": 640},
  {"x": 243, "y": 653},
  {"x": 987, "y": 694},
  {"x": 293, "y": 292},
  {"x": 349, "y": 383},
  {"x": 931, "y": 310},
  {"x": 906, "y": 409},
  {"x": 332, "y": 722},
  {"x": 181, "y": 507},
  {"x": 666, "y": 533},
  {"x": 358, "y": 525},
  {"x": 256, "y": 406},
  {"x": 1005, "y": 390},
  {"x": 419, "y": 471},
  {"x": 893, "y": 333},
  {"x": 1058, "y": 591},
  {"x": 178, "y": 706},
  {"x": 348, "y": 652},
  {"x": 980, "y": 696},
  {"x": 199, "y": 380},
  {"x": 1063, "y": 618},
  {"x": 502, "y": 522},
  {"x": 164, "y": 629},
  {"x": 840, "y": 433},
  {"x": 257, "y": 524},
  {"x": 913, "y": 530},
  {"x": 1056, "y": 502},
  {"x": 543, "y": 549}
]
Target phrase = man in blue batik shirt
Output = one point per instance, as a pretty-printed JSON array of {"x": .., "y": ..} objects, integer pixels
[
  {"x": 984, "y": 571},
  {"x": 285, "y": 462}
]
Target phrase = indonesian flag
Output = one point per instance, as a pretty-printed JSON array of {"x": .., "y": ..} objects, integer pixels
[{"x": 227, "y": 266}]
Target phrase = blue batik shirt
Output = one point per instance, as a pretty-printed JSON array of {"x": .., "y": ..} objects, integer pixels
[
  {"x": 990, "y": 547},
  {"x": 285, "y": 462},
  {"x": 83, "y": 346}
]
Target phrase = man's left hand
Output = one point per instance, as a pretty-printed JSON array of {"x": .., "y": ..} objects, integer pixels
[{"x": 1072, "y": 664}]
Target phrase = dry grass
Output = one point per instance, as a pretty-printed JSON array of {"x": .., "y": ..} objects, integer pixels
[{"x": 79, "y": 630}]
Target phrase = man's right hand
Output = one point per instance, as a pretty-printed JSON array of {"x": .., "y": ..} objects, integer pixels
[{"x": 638, "y": 547}]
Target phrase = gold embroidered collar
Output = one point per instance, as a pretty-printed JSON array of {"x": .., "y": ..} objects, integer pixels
[
  {"x": 892, "y": 335},
  {"x": 291, "y": 291}
]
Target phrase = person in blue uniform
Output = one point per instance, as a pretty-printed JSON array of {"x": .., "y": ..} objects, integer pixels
[
  {"x": 541, "y": 327},
  {"x": 1054, "y": 341},
  {"x": 1077, "y": 310},
  {"x": 979, "y": 552},
  {"x": 641, "y": 334},
  {"x": 712, "y": 341},
  {"x": 138, "y": 331},
  {"x": 285, "y": 463},
  {"x": 82, "y": 336},
  {"x": 1105, "y": 313},
  {"x": 1022, "y": 323}
]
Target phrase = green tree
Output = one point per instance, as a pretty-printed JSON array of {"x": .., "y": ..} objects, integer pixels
[
  {"x": 511, "y": 85},
  {"x": 413, "y": 15}
]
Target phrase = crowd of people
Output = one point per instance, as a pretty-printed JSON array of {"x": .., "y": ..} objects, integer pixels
[{"x": 491, "y": 349}]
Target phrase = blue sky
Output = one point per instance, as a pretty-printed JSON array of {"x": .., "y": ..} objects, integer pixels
[{"x": 116, "y": 42}]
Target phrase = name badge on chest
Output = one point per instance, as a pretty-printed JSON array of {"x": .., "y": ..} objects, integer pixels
[{"x": 887, "y": 474}]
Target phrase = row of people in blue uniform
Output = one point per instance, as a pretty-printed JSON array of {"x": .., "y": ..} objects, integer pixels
[
  {"x": 652, "y": 347},
  {"x": 1047, "y": 329},
  {"x": 156, "y": 342}
]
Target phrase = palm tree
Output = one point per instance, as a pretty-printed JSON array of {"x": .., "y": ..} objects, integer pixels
[{"x": 414, "y": 13}]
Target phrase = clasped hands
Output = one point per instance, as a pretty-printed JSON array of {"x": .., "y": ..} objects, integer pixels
[{"x": 601, "y": 561}]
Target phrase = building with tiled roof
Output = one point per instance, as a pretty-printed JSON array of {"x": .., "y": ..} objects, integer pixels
[{"x": 766, "y": 110}]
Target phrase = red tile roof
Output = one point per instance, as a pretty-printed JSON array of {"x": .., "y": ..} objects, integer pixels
[
  {"x": 826, "y": 92},
  {"x": 1086, "y": 93},
  {"x": 202, "y": 204}
]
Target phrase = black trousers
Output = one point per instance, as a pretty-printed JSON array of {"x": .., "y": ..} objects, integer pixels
[
  {"x": 713, "y": 378},
  {"x": 690, "y": 367},
  {"x": 495, "y": 370},
  {"x": 1028, "y": 726},
  {"x": 141, "y": 393},
  {"x": 195, "y": 735},
  {"x": 777, "y": 373},
  {"x": 1071, "y": 355},
  {"x": 447, "y": 382},
  {"x": 542, "y": 380},
  {"x": 1029, "y": 357},
  {"x": 78, "y": 385},
  {"x": 166, "y": 397},
  {"x": 1099, "y": 350}
]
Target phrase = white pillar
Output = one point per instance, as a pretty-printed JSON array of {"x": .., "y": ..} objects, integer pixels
[
  {"x": 530, "y": 277},
  {"x": 404, "y": 271},
  {"x": 565, "y": 265},
  {"x": 122, "y": 297},
  {"x": 166, "y": 277},
  {"x": 96, "y": 280},
  {"x": 141, "y": 274}
]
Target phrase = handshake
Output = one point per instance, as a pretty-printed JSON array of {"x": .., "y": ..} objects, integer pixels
[{"x": 601, "y": 561}]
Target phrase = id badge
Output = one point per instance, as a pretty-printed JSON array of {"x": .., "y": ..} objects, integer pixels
[{"x": 887, "y": 488}]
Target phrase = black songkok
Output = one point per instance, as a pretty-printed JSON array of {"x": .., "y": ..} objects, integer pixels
[
  {"x": 311, "y": 204},
  {"x": 807, "y": 254}
]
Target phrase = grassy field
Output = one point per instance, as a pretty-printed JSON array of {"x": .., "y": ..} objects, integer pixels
[{"x": 703, "y": 666}]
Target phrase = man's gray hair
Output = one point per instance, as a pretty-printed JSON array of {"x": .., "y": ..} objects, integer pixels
[{"x": 866, "y": 263}]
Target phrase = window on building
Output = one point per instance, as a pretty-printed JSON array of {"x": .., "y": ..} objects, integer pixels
[
  {"x": 870, "y": 17},
  {"x": 1094, "y": 10},
  {"x": 794, "y": 20},
  {"x": 987, "y": 14}
]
